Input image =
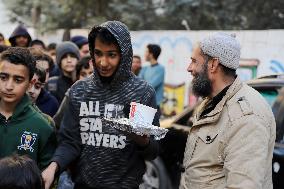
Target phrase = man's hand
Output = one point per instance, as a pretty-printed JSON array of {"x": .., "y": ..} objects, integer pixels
[{"x": 48, "y": 174}]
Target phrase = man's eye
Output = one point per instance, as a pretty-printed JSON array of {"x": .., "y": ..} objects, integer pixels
[{"x": 3, "y": 77}]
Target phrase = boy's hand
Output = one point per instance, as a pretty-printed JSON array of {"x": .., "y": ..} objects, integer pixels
[
  {"x": 140, "y": 140},
  {"x": 48, "y": 174}
]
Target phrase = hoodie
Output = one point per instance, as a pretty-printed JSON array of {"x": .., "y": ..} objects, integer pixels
[
  {"x": 47, "y": 103},
  {"x": 105, "y": 157},
  {"x": 58, "y": 85},
  {"x": 26, "y": 132},
  {"x": 19, "y": 31}
]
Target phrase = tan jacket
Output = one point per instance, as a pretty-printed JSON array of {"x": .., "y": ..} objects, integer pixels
[{"x": 232, "y": 146}]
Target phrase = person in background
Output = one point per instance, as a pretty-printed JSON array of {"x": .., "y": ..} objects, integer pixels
[
  {"x": 23, "y": 130},
  {"x": 19, "y": 172},
  {"x": 82, "y": 44},
  {"x": 136, "y": 64},
  {"x": 20, "y": 37},
  {"x": 84, "y": 68},
  {"x": 36, "y": 43},
  {"x": 155, "y": 73},
  {"x": 2, "y": 39},
  {"x": 67, "y": 57},
  {"x": 51, "y": 51},
  {"x": 47, "y": 103},
  {"x": 112, "y": 87},
  {"x": 43, "y": 61},
  {"x": 3, "y": 48},
  {"x": 231, "y": 141}
]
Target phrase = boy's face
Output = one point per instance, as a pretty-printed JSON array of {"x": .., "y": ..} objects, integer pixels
[
  {"x": 35, "y": 88},
  {"x": 84, "y": 51},
  {"x": 107, "y": 58},
  {"x": 86, "y": 72},
  {"x": 147, "y": 54},
  {"x": 43, "y": 64},
  {"x": 14, "y": 82},
  {"x": 136, "y": 64},
  {"x": 68, "y": 63},
  {"x": 22, "y": 41}
]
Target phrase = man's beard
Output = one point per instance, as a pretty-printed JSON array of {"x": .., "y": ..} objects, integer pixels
[{"x": 201, "y": 84}]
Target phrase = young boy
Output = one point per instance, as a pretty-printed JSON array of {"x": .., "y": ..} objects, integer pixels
[
  {"x": 47, "y": 103},
  {"x": 84, "y": 68},
  {"x": 106, "y": 157},
  {"x": 22, "y": 129},
  {"x": 19, "y": 172},
  {"x": 67, "y": 56}
]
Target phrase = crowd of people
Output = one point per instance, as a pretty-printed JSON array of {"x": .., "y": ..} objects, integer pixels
[{"x": 53, "y": 100}]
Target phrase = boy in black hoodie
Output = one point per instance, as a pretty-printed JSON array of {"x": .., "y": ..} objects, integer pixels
[
  {"x": 20, "y": 37},
  {"x": 105, "y": 157}
]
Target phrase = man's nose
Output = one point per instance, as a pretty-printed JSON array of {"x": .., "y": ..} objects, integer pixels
[{"x": 189, "y": 68}]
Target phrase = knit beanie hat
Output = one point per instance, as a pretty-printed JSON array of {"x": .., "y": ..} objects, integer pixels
[
  {"x": 65, "y": 48},
  {"x": 79, "y": 40},
  {"x": 223, "y": 46}
]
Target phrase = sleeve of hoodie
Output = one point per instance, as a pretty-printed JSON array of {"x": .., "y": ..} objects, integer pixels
[
  {"x": 69, "y": 139},
  {"x": 151, "y": 151}
]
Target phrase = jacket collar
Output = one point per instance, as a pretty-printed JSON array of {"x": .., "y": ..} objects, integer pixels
[{"x": 214, "y": 115}]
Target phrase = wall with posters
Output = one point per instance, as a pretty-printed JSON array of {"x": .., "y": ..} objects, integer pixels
[{"x": 264, "y": 47}]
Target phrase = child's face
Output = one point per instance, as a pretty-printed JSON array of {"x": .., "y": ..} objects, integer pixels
[
  {"x": 68, "y": 63},
  {"x": 86, "y": 72},
  {"x": 22, "y": 41},
  {"x": 14, "y": 82},
  {"x": 43, "y": 64},
  {"x": 35, "y": 88},
  {"x": 107, "y": 58}
]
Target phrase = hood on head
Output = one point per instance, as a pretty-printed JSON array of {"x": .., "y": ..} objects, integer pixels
[
  {"x": 64, "y": 48},
  {"x": 19, "y": 31},
  {"x": 122, "y": 35}
]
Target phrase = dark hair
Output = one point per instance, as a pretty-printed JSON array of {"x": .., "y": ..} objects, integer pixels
[
  {"x": 155, "y": 50},
  {"x": 1, "y": 35},
  {"x": 104, "y": 35},
  {"x": 19, "y": 172},
  {"x": 20, "y": 56},
  {"x": 228, "y": 71},
  {"x": 41, "y": 74},
  {"x": 37, "y": 42},
  {"x": 40, "y": 55},
  {"x": 3, "y": 48},
  {"x": 83, "y": 63},
  {"x": 137, "y": 56},
  {"x": 51, "y": 46}
]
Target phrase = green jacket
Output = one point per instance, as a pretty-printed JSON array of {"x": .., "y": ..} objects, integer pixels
[{"x": 27, "y": 132}]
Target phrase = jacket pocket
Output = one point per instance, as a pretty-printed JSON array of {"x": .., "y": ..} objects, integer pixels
[{"x": 207, "y": 136}]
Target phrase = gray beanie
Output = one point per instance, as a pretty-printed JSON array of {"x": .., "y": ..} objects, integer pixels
[
  {"x": 223, "y": 46},
  {"x": 64, "y": 48}
]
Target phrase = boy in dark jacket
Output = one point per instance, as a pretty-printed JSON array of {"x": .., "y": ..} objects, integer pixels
[
  {"x": 22, "y": 129},
  {"x": 47, "y": 103},
  {"x": 106, "y": 157},
  {"x": 20, "y": 37},
  {"x": 67, "y": 56}
]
